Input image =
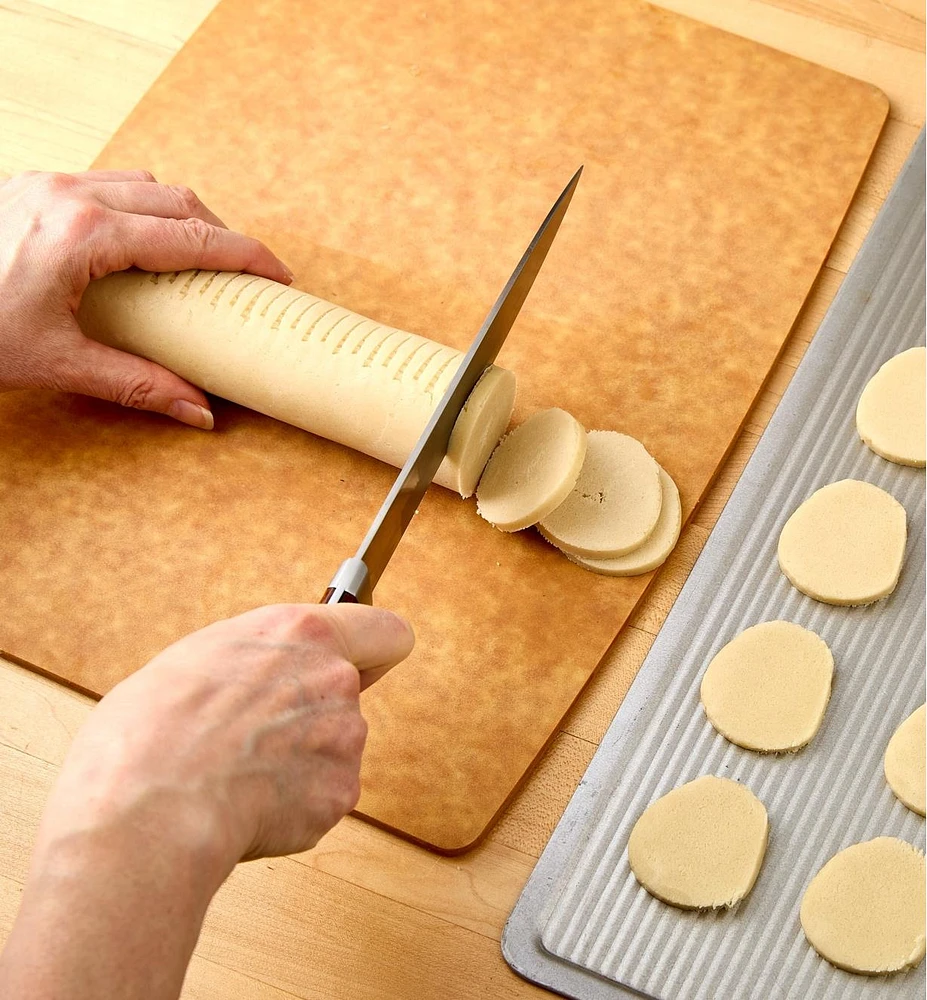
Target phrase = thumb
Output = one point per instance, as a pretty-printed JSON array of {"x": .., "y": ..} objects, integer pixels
[
  {"x": 95, "y": 369},
  {"x": 373, "y": 639}
]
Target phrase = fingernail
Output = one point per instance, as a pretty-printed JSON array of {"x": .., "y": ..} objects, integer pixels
[
  {"x": 289, "y": 274},
  {"x": 189, "y": 413}
]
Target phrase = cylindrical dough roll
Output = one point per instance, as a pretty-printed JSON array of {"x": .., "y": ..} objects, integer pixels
[{"x": 301, "y": 360}]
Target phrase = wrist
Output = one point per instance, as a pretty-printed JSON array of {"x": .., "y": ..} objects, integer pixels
[
  {"x": 114, "y": 896},
  {"x": 170, "y": 836}
]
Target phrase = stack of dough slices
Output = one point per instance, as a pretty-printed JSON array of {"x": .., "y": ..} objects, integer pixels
[{"x": 599, "y": 497}]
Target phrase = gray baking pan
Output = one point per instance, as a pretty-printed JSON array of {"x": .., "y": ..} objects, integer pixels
[{"x": 583, "y": 926}]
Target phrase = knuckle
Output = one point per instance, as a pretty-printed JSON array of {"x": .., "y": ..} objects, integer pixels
[
  {"x": 136, "y": 393},
  {"x": 81, "y": 218},
  {"x": 58, "y": 183},
  {"x": 344, "y": 680},
  {"x": 200, "y": 233},
  {"x": 348, "y": 793},
  {"x": 314, "y": 625},
  {"x": 356, "y": 733},
  {"x": 187, "y": 201}
]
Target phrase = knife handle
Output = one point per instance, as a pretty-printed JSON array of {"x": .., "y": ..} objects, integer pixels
[
  {"x": 343, "y": 598},
  {"x": 350, "y": 585}
]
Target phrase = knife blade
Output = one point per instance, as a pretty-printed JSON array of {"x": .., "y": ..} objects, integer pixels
[{"x": 357, "y": 576}]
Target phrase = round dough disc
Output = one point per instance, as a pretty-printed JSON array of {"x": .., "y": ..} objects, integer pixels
[
  {"x": 701, "y": 845},
  {"x": 864, "y": 910},
  {"x": 532, "y": 471},
  {"x": 768, "y": 688},
  {"x": 905, "y": 769},
  {"x": 891, "y": 413},
  {"x": 481, "y": 423},
  {"x": 845, "y": 544},
  {"x": 615, "y": 504},
  {"x": 655, "y": 549}
]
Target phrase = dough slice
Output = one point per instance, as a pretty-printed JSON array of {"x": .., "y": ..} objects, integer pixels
[
  {"x": 768, "y": 688},
  {"x": 615, "y": 504},
  {"x": 845, "y": 544},
  {"x": 864, "y": 910},
  {"x": 701, "y": 845},
  {"x": 905, "y": 767},
  {"x": 655, "y": 549},
  {"x": 891, "y": 413},
  {"x": 532, "y": 471}
]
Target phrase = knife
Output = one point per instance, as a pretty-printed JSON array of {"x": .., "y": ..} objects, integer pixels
[{"x": 356, "y": 577}]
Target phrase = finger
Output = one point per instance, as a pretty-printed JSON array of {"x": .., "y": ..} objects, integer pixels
[
  {"x": 117, "y": 175},
  {"x": 164, "y": 200},
  {"x": 155, "y": 244},
  {"x": 94, "y": 369},
  {"x": 373, "y": 639}
]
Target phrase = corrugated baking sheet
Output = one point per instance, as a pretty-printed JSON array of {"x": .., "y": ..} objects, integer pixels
[{"x": 583, "y": 925}]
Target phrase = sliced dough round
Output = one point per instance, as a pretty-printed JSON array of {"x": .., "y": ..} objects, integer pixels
[
  {"x": 864, "y": 910},
  {"x": 655, "y": 549},
  {"x": 891, "y": 413},
  {"x": 532, "y": 471},
  {"x": 481, "y": 423},
  {"x": 905, "y": 767},
  {"x": 701, "y": 845},
  {"x": 845, "y": 544},
  {"x": 768, "y": 688},
  {"x": 615, "y": 504}
]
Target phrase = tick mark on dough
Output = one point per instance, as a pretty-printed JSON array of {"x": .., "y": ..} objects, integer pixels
[
  {"x": 317, "y": 320},
  {"x": 185, "y": 288},
  {"x": 433, "y": 381},
  {"x": 237, "y": 295},
  {"x": 337, "y": 348}
]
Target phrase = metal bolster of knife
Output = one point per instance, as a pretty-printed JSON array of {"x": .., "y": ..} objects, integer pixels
[{"x": 350, "y": 584}]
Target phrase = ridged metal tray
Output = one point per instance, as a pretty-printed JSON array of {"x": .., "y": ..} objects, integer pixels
[{"x": 583, "y": 926}]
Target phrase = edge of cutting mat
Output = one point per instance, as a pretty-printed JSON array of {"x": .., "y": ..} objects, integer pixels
[{"x": 521, "y": 945}]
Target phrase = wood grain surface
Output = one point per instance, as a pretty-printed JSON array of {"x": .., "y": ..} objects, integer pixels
[
  {"x": 69, "y": 72},
  {"x": 402, "y": 178}
]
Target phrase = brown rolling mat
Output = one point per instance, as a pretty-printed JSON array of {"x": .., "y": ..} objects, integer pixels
[{"x": 399, "y": 157}]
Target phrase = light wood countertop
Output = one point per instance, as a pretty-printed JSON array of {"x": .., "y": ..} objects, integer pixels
[{"x": 366, "y": 915}]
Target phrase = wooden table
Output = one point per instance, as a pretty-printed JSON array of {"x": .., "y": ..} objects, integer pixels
[{"x": 365, "y": 914}]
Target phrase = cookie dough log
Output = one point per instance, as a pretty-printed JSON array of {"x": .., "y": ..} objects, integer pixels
[
  {"x": 701, "y": 845},
  {"x": 614, "y": 506},
  {"x": 905, "y": 764},
  {"x": 892, "y": 410},
  {"x": 845, "y": 544},
  {"x": 768, "y": 688},
  {"x": 864, "y": 910},
  {"x": 302, "y": 360},
  {"x": 532, "y": 471}
]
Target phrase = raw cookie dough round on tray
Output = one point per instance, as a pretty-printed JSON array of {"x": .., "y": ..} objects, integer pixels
[
  {"x": 864, "y": 910},
  {"x": 614, "y": 506},
  {"x": 768, "y": 688},
  {"x": 891, "y": 413},
  {"x": 701, "y": 845},
  {"x": 845, "y": 544},
  {"x": 905, "y": 765}
]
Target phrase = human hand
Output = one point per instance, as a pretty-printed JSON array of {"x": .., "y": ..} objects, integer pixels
[
  {"x": 243, "y": 740},
  {"x": 60, "y": 231}
]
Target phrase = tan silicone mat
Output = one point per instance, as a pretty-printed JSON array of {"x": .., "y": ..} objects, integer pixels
[{"x": 399, "y": 157}]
